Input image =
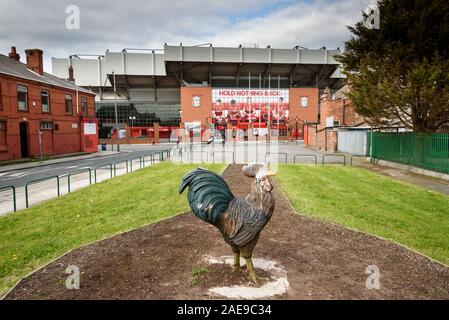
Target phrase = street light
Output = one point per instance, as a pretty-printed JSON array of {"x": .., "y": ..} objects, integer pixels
[
  {"x": 132, "y": 120},
  {"x": 115, "y": 111}
]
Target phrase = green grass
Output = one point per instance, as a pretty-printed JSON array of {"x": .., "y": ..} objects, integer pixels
[
  {"x": 33, "y": 237},
  {"x": 196, "y": 273},
  {"x": 371, "y": 203}
]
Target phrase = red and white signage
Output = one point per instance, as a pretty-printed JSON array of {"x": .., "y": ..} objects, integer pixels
[{"x": 239, "y": 107}]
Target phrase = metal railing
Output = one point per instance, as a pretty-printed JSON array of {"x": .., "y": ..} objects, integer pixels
[
  {"x": 118, "y": 162},
  {"x": 78, "y": 172},
  {"x": 334, "y": 155},
  {"x": 131, "y": 163},
  {"x": 305, "y": 156},
  {"x": 13, "y": 195},
  {"x": 112, "y": 169},
  {"x": 40, "y": 180},
  {"x": 276, "y": 153},
  {"x": 201, "y": 152},
  {"x": 427, "y": 151},
  {"x": 223, "y": 152},
  {"x": 102, "y": 166},
  {"x": 356, "y": 156}
]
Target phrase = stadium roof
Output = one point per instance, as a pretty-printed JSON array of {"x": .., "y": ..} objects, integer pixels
[{"x": 175, "y": 66}]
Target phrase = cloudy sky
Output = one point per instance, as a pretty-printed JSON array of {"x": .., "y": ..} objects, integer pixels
[{"x": 118, "y": 24}]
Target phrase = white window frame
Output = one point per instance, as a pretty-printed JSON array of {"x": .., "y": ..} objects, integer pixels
[
  {"x": 48, "y": 101},
  {"x": 46, "y": 125},
  {"x": 66, "y": 98},
  {"x": 23, "y": 89},
  {"x": 85, "y": 111}
]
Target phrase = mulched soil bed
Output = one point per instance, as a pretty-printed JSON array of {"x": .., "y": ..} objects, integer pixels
[{"x": 323, "y": 261}]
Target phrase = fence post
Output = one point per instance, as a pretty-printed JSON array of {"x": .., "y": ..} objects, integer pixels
[
  {"x": 42, "y": 179},
  {"x": 14, "y": 199},
  {"x": 26, "y": 195}
]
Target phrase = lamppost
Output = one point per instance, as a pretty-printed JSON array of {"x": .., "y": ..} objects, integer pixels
[
  {"x": 132, "y": 120},
  {"x": 115, "y": 111},
  {"x": 40, "y": 146}
]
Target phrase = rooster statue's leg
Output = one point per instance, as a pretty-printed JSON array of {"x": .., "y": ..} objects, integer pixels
[
  {"x": 251, "y": 272},
  {"x": 236, "y": 264}
]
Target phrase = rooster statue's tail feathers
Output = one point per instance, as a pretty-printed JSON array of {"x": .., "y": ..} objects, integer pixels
[{"x": 209, "y": 195}]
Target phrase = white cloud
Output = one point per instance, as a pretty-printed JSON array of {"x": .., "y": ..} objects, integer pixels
[{"x": 118, "y": 24}]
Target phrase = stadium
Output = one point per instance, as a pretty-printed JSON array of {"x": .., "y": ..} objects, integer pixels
[{"x": 253, "y": 91}]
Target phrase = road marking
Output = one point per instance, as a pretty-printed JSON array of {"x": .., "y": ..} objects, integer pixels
[{"x": 18, "y": 174}]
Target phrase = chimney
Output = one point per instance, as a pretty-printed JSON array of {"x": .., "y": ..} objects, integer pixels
[
  {"x": 13, "y": 54},
  {"x": 34, "y": 60},
  {"x": 71, "y": 79}
]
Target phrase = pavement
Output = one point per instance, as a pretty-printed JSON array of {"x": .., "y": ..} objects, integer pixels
[{"x": 426, "y": 182}]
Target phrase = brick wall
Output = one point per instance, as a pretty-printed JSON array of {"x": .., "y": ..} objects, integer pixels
[
  {"x": 203, "y": 113},
  {"x": 66, "y": 138},
  {"x": 309, "y": 113},
  {"x": 342, "y": 111}
]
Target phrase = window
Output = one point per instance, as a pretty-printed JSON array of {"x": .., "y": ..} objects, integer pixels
[
  {"x": 22, "y": 97},
  {"x": 68, "y": 104},
  {"x": 84, "y": 106},
  {"x": 45, "y": 101},
  {"x": 166, "y": 114},
  {"x": 46, "y": 125},
  {"x": 3, "y": 140}
]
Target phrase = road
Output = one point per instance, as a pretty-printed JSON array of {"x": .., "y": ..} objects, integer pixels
[
  {"x": 18, "y": 178},
  {"x": 50, "y": 188}
]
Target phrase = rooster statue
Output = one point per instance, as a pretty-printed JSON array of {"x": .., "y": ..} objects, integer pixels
[{"x": 240, "y": 220}]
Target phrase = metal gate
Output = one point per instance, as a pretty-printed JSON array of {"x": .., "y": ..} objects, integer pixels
[{"x": 352, "y": 141}]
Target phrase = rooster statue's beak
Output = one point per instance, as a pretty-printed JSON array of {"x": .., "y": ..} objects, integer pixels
[{"x": 270, "y": 174}]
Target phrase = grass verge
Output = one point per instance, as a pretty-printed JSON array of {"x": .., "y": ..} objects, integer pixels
[
  {"x": 372, "y": 203},
  {"x": 32, "y": 237}
]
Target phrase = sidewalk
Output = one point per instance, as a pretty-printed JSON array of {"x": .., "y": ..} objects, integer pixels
[
  {"x": 429, "y": 183},
  {"x": 27, "y": 165}
]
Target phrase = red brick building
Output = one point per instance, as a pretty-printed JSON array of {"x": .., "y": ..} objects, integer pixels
[
  {"x": 300, "y": 107},
  {"x": 34, "y": 103},
  {"x": 336, "y": 113}
]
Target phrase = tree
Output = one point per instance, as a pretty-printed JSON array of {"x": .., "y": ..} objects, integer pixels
[{"x": 399, "y": 74}]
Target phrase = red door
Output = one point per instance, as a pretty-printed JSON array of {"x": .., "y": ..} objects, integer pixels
[{"x": 47, "y": 141}]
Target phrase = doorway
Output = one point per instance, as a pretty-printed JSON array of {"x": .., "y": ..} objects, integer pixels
[{"x": 23, "y": 139}]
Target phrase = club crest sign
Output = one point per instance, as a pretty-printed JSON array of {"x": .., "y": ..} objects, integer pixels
[
  {"x": 196, "y": 101},
  {"x": 304, "y": 101}
]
